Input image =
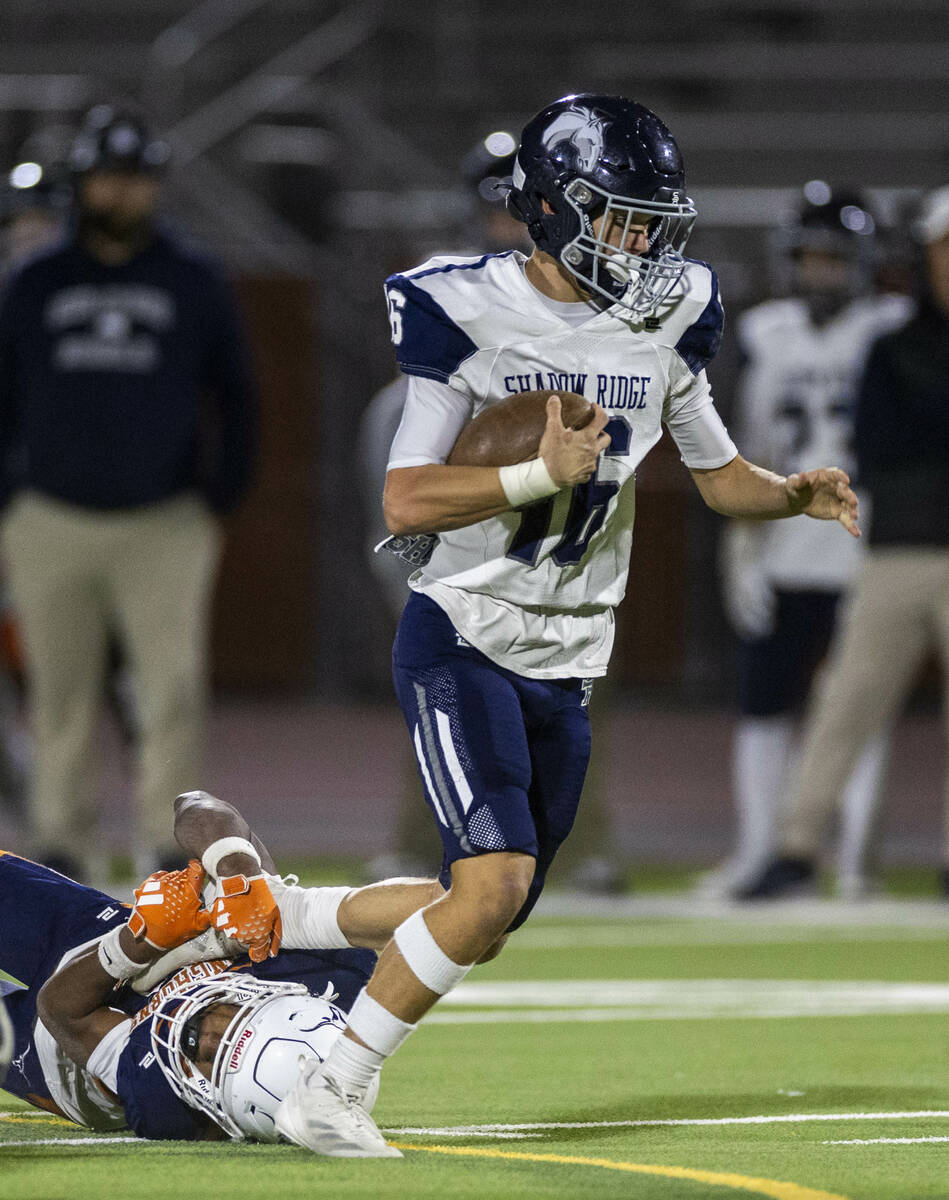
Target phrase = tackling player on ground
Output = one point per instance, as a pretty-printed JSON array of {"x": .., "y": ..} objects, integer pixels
[
  {"x": 511, "y": 618},
  {"x": 159, "y": 1020}
]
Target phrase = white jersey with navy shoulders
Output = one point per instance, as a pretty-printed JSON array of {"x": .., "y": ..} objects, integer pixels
[
  {"x": 796, "y": 410},
  {"x": 533, "y": 589}
]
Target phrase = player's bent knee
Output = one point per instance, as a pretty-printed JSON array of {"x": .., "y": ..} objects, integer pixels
[{"x": 495, "y": 886}]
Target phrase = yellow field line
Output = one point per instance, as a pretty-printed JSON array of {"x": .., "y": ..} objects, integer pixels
[
  {"x": 33, "y": 1119},
  {"x": 764, "y": 1187}
]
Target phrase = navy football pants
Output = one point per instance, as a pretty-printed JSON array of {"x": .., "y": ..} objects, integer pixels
[{"x": 502, "y": 757}]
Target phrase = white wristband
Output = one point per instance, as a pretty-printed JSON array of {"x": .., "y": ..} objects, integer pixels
[
  {"x": 527, "y": 481},
  {"x": 113, "y": 959},
  {"x": 222, "y": 848}
]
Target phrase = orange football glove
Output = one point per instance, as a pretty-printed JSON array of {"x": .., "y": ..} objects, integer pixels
[
  {"x": 168, "y": 909},
  {"x": 246, "y": 911}
]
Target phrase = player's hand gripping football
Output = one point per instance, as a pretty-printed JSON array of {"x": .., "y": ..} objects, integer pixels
[
  {"x": 570, "y": 454},
  {"x": 826, "y": 494},
  {"x": 244, "y": 909},
  {"x": 168, "y": 911}
]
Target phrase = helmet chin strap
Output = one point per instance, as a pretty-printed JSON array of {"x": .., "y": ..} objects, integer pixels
[{"x": 191, "y": 1035}]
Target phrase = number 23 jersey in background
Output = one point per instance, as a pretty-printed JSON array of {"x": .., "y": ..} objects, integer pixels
[
  {"x": 533, "y": 589},
  {"x": 796, "y": 410}
]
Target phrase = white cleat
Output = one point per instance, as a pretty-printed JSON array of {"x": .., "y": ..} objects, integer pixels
[{"x": 319, "y": 1116}]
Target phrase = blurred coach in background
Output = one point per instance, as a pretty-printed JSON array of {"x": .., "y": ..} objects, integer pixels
[
  {"x": 126, "y": 428},
  {"x": 900, "y": 609}
]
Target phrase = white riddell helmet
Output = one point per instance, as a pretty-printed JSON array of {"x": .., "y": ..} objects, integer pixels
[{"x": 276, "y": 1028}]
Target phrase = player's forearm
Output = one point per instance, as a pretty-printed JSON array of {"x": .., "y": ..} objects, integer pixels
[
  {"x": 435, "y": 498},
  {"x": 73, "y": 1004},
  {"x": 201, "y": 819},
  {"x": 740, "y": 489}
]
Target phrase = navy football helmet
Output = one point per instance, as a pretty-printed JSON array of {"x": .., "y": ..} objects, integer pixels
[
  {"x": 832, "y": 222},
  {"x": 589, "y": 156},
  {"x": 828, "y": 218}
]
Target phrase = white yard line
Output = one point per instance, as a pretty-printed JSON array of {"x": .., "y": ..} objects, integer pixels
[
  {"x": 887, "y": 1141},
  {"x": 711, "y": 933},
  {"x": 889, "y": 911},
  {"x": 71, "y": 1141},
  {"x": 595, "y": 1000},
  {"x": 782, "y": 1119},
  {"x": 527, "y": 1129}
]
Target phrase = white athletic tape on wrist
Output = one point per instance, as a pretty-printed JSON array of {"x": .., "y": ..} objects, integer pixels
[
  {"x": 527, "y": 481},
  {"x": 205, "y": 947},
  {"x": 426, "y": 959},
  {"x": 222, "y": 848},
  {"x": 113, "y": 959},
  {"x": 310, "y": 915},
  {"x": 381, "y": 1030}
]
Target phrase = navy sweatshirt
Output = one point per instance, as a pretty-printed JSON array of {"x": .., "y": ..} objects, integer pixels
[{"x": 121, "y": 386}]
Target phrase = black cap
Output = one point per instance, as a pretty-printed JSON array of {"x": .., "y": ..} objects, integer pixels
[{"x": 113, "y": 140}]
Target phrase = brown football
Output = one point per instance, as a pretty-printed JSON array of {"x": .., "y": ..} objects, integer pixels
[{"x": 509, "y": 432}]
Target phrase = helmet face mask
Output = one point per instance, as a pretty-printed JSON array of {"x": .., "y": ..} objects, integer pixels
[
  {"x": 276, "y": 1026},
  {"x": 639, "y": 282},
  {"x": 591, "y": 171}
]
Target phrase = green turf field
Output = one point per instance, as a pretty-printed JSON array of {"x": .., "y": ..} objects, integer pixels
[{"x": 630, "y": 1055}]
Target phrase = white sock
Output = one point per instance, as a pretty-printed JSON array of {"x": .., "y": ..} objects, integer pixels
[
  {"x": 309, "y": 915},
  {"x": 762, "y": 749},
  {"x": 354, "y": 1067}
]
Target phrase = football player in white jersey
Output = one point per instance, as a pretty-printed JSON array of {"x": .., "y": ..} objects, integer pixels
[
  {"x": 783, "y": 582},
  {"x": 511, "y": 618},
  {"x": 594, "y": 867}
]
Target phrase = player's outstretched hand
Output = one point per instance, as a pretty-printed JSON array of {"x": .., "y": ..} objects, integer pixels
[
  {"x": 244, "y": 909},
  {"x": 570, "y": 454},
  {"x": 167, "y": 911},
  {"x": 825, "y": 493}
]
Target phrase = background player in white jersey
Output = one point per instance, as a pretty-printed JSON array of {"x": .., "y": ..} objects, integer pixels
[
  {"x": 783, "y": 582},
  {"x": 511, "y": 618}
]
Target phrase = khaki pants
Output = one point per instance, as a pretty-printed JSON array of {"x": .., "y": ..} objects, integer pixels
[
  {"x": 899, "y": 611},
  {"x": 76, "y": 574}
]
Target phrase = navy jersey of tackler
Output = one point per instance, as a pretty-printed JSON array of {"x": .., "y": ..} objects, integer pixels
[{"x": 44, "y": 917}]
